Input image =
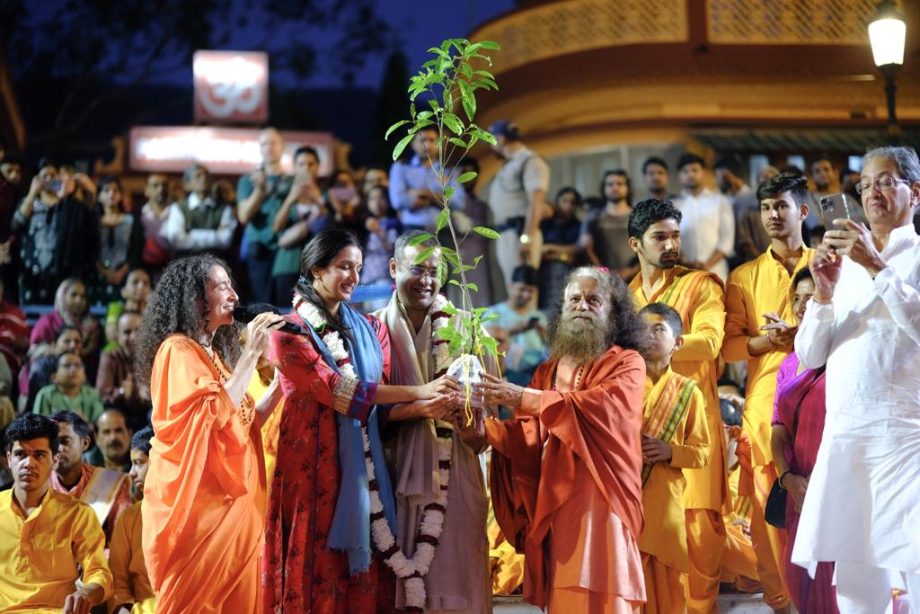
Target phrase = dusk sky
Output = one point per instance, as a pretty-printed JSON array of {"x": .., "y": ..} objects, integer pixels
[
  {"x": 419, "y": 24},
  {"x": 422, "y": 24}
]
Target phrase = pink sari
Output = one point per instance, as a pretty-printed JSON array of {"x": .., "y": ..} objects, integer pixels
[{"x": 803, "y": 392}]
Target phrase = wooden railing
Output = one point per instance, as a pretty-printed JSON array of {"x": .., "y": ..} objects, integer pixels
[
  {"x": 562, "y": 28},
  {"x": 566, "y": 27}
]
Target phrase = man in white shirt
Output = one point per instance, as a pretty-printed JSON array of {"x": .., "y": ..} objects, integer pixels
[
  {"x": 861, "y": 507},
  {"x": 198, "y": 223},
  {"x": 707, "y": 231},
  {"x": 517, "y": 197},
  {"x": 826, "y": 176}
]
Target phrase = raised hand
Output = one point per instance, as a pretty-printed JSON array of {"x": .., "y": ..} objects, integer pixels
[
  {"x": 825, "y": 270},
  {"x": 780, "y": 332},
  {"x": 259, "y": 331},
  {"x": 855, "y": 240}
]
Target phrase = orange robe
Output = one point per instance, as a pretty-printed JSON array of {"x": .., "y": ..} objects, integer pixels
[
  {"x": 204, "y": 499},
  {"x": 570, "y": 474}
]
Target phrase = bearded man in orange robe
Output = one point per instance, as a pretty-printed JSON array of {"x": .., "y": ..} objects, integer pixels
[{"x": 566, "y": 471}]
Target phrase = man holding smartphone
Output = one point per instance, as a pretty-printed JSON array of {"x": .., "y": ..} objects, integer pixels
[
  {"x": 759, "y": 329},
  {"x": 59, "y": 232},
  {"x": 259, "y": 197},
  {"x": 863, "y": 323}
]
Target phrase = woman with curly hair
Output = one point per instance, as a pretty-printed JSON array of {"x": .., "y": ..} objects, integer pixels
[
  {"x": 204, "y": 499},
  {"x": 318, "y": 535}
]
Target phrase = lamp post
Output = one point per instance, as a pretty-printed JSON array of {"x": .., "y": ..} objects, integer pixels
[{"x": 887, "y": 33}]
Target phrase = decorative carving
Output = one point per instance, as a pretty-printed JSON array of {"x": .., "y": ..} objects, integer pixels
[
  {"x": 788, "y": 22},
  {"x": 562, "y": 28}
]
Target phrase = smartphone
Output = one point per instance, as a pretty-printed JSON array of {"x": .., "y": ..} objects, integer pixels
[
  {"x": 835, "y": 207},
  {"x": 343, "y": 195}
]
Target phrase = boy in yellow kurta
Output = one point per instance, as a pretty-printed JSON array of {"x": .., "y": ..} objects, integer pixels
[
  {"x": 132, "y": 591},
  {"x": 654, "y": 236},
  {"x": 675, "y": 436}
]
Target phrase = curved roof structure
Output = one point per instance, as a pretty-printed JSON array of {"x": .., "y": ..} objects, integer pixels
[{"x": 576, "y": 74}]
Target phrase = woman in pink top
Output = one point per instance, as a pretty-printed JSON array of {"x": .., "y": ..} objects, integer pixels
[{"x": 798, "y": 423}]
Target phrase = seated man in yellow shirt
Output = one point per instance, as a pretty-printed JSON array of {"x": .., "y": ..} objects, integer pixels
[
  {"x": 46, "y": 537},
  {"x": 132, "y": 593},
  {"x": 675, "y": 436}
]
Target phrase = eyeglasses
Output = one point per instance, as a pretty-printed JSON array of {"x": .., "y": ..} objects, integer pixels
[
  {"x": 882, "y": 183},
  {"x": 420, "y": 272}
]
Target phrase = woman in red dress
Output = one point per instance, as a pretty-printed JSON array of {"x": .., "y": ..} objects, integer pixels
[{"x": 318, "y": 541}]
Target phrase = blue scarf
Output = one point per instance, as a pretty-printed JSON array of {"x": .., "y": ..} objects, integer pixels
[{"x": 351, "y": 522}]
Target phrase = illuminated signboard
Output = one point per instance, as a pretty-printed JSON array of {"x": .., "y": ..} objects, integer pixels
[
  {"x": 224, "y": 151},
  {"x": 231, "y": 86}
]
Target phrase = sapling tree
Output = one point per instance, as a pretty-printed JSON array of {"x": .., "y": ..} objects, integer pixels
[{"x": 443, "y": 95}]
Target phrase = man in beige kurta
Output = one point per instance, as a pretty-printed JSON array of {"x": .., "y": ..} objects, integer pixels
[{"x": 459, "y": 578}]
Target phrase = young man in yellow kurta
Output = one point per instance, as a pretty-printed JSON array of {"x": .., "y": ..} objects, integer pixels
[
  {"x": 48, "y": 540},
  {"x": 760, "y": 328},
  {"x": 654, "y": 235},
  {"x": 132, "y": 590},
  {"x": 674, "y": 437}
]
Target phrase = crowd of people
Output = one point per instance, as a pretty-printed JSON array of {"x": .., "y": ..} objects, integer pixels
[{"x": 694, "y": 391}]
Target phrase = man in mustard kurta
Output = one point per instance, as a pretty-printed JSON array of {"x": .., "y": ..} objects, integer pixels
[
  {"x": 132, "y": 591},
  {"x": 674, "y": 437},
  {"x": 654, "y": 235},
  {"x": 760, "y": 328},
  {"x": 46, "y": 538}
]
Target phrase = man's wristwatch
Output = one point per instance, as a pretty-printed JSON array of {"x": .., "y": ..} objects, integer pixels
[{"x": 525, "y": 239}]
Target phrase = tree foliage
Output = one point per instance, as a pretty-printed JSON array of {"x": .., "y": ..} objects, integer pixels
[{"x": 443, "y": 94}]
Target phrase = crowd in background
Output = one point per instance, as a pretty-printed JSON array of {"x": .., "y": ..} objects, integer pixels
[{"x": 78, "y": 261}]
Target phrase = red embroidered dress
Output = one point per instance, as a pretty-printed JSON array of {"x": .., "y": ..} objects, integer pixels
[{"x": 300, "y": 574}]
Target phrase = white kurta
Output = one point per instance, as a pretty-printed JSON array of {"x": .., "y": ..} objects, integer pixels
[
  {"x": 863, "y": 498},
  {"x": 708, "y": 224}
]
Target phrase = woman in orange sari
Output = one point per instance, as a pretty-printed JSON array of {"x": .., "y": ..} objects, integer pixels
[{"x": 204, "y": 499}]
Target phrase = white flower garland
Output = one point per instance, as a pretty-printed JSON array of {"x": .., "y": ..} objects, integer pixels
[{"x": 411, "y": 570}]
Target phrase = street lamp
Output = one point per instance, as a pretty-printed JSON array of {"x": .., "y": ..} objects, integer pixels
[{"x": 887, "y": 33}]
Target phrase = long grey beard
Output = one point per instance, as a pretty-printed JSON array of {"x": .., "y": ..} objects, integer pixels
[{"x": 582, "y": 340}]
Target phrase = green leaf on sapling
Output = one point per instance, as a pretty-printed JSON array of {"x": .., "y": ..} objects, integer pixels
[
  {"x": 395, "y": 126},
  {"x": 443, "y": 218},
  {"x": 425, "y": 255},
  {"x": 401, "y": 145},
  {"x": 486, "y": 232},
  {"x": 419, "y": 239}
]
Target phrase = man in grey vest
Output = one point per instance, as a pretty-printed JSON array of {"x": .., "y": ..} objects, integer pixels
[{"x": 198, "y": 223}]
